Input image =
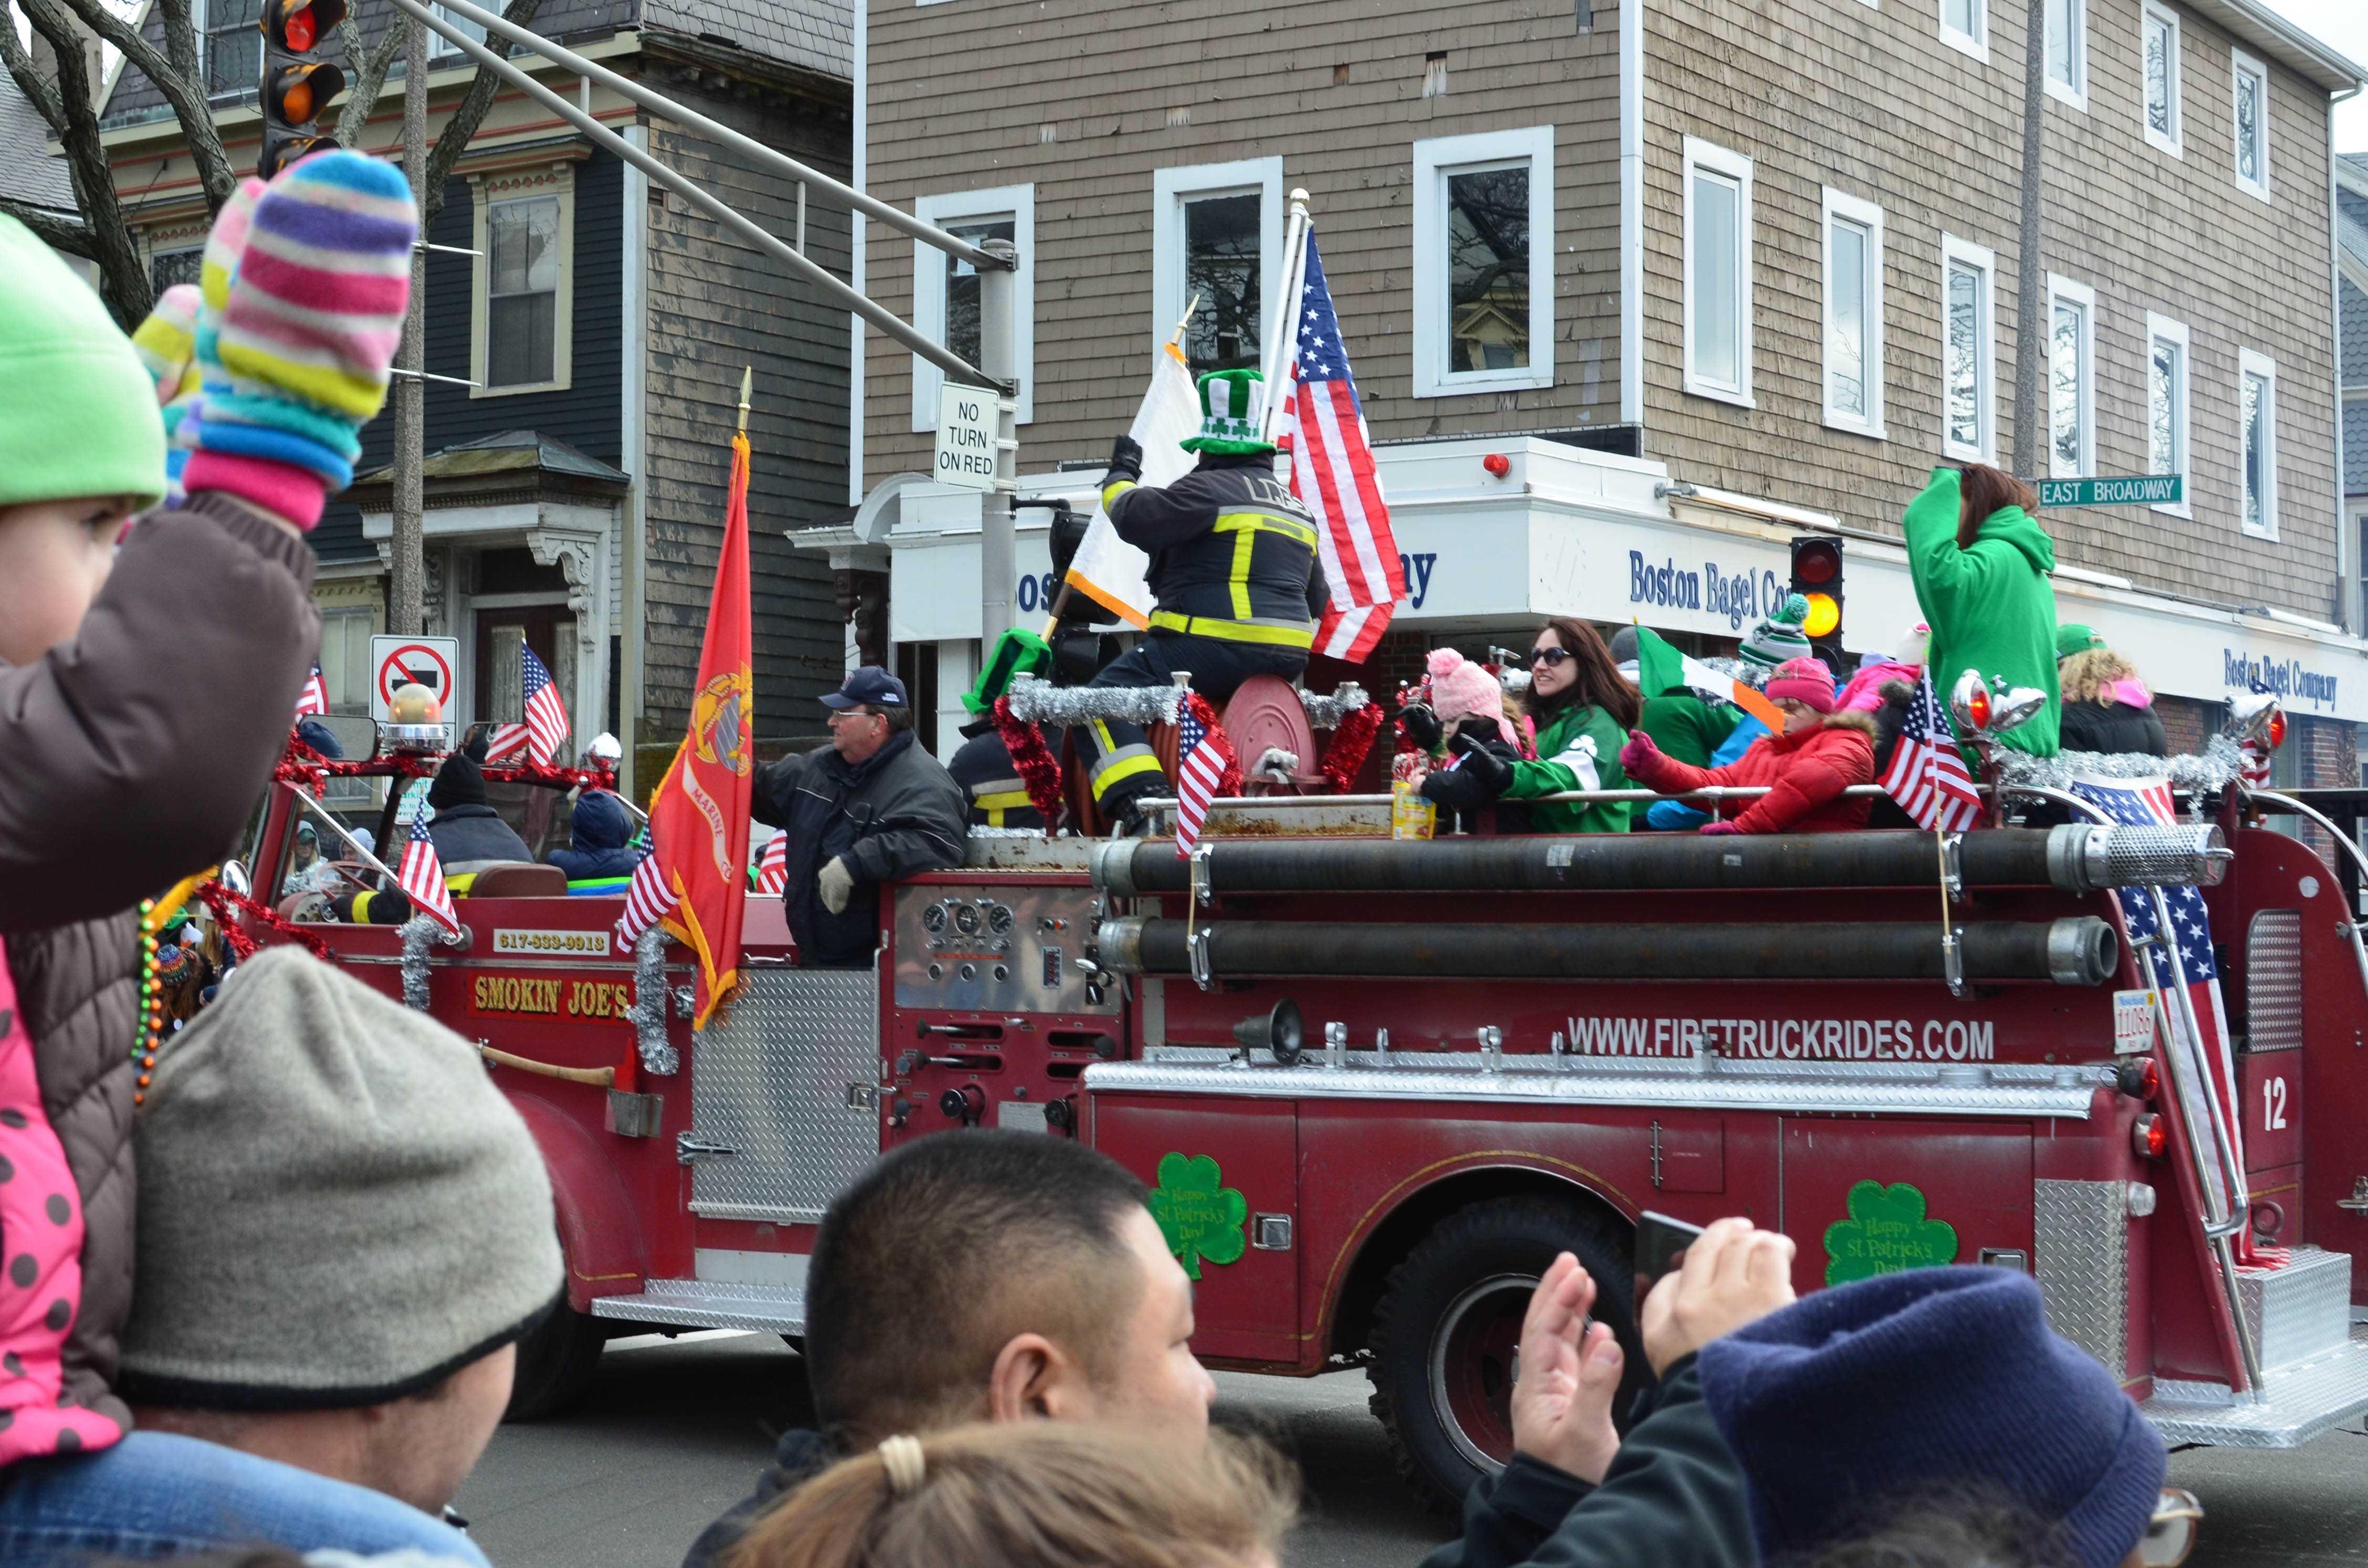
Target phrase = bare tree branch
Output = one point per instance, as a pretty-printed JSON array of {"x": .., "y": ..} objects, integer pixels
[
  {"x": 184, "y": 91},
  {"x": 58, "y": 233},
  {"x": 454, "y": 138},
  {"x": 365, "y": 72},
  {"x": 125, "y": 280}
]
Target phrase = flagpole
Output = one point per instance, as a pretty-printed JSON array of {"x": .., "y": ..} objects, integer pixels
[
  {"x": 1283, "y": 330},
  {"x": 748, "y": 382}
]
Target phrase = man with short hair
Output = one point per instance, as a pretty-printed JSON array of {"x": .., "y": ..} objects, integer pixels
[
  {"x": 871, "y": 806},
  {"x": 986, "y": 1276},
  {"x": 343, "y": 1230}
]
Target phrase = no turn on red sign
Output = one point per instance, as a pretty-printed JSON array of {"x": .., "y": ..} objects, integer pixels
[{"x": 407, "y": 661}]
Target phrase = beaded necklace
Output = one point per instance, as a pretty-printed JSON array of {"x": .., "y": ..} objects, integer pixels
[{"x": 154, "y": 975}]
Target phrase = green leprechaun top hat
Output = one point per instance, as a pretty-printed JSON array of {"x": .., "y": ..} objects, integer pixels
[
  {"x": 1232, "y": 402},
  {"x": 1016, "y": 653}
]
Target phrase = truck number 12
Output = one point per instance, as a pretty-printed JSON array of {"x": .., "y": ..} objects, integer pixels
[{"x": 2273, "y": 1104}]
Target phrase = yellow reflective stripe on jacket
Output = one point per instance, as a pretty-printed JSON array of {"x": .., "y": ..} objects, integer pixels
[
  {"x": 998, "y": 801},
  {"x": 1113, "y": 490},
  {"x": 1270, "y": 634},
  {"x": 1245, "y": 526}
]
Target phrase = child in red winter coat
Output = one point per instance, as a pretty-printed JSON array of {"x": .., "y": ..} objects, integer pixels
[{"x": 1820, "y": 753}]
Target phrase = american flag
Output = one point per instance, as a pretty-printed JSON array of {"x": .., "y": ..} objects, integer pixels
[
  {"x": 1927, "y": 776},
  {"x": 545, "y": 729},
  {"x": 422, "y": 877},
  {"x": 315, "y": 698},
  {"x": 648, "y": 900},
  {"x": 1201, "y": 763},
  {"x": 773, "y": 866},
  {"x": 1330, "y": 445}
]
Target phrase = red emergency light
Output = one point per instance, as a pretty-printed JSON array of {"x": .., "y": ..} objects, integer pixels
[
  {"x": 2139, "y": 1078},
  {"x": 1497, "y": 464},
  {"x": 2277, "y": 729},
  {"x": 1977, "y": 708},
  {"x": 2147, "y": 1137}
]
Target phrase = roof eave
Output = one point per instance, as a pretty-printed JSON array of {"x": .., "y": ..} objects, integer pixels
[{"x": 2257, "y": 26}]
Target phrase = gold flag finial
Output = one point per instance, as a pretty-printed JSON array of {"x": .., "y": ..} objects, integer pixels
[{"x": 747, "y": 382}]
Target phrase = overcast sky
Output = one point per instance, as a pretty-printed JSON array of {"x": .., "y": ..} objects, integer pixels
[{"x": 2342, "y": 26}]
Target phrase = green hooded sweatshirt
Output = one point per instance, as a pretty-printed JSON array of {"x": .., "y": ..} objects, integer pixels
[
  {"x": 1578, "y": 749},
  {"x": 1990, "y": 606}
]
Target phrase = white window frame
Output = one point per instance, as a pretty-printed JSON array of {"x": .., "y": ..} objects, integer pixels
[
  {"x": 1718, "y": 160},
  {"x": 524, "y": 185},
  {"x": 1868, "y": 216},
  {"x": 1170, "y": 188},
  {"x": 2249, "y": 364},
  {"x": 1976, "y": 44},
  {"x": 2074, "y": 94},
  {"x": 1435, "y": 158},
  {"x": 1953, "y": 252},
  {"x": 2241, "y": 66},
  {"x": 2082, "y": 295},
  {"x": 2170, "y": 331},
  {"x": 442, "y": 48},
  {"x": 1017, "y": 202},
  {"x": 2176, "y": 143}
]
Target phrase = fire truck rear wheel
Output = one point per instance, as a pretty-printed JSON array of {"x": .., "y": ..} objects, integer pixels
[
  {"x": 555, "y": 1364},
  {"x": 1447, "y": 1328}
]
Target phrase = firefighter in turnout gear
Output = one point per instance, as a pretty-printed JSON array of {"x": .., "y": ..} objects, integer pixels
[{"x": 1233, "y": 568}]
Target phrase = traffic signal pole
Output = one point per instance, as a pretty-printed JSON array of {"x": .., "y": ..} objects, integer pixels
[{"x": 406, "y": 612}]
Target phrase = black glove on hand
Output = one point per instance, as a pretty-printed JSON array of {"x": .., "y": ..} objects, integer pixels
[
  {"x": 1422, "y": 725},
  {"x": 1488, "y": 770},
  {"x": 1460, "y": 791},
  {"x": 1126, "y": 460}
]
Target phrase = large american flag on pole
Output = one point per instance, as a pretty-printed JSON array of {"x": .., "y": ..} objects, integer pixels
[
  {"x": 545, "y": 729},
  {"x": 421, "y": 876},
  {"x": 1927, "y": 776},
  {"x": 1332, "y": 471}
]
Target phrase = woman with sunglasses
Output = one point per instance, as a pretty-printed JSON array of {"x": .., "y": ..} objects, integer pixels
[{"x": 1584, "y": 712}]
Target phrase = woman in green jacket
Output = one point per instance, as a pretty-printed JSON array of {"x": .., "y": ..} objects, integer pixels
[
  {"x": 1980, "y": 564},
  {"x": 1584, "y": 712}
]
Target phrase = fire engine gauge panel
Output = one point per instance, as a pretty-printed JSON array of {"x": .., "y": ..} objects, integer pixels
[{"x": 996, "y": 948}]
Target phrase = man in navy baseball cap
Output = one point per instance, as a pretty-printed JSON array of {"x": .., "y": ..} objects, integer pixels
[{"x": 871, "y": 806}]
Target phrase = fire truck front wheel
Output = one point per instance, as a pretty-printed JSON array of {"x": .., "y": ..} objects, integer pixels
[
  {"x": 1446, "y": 1333},
  {"x": 555, "y": 1364}
]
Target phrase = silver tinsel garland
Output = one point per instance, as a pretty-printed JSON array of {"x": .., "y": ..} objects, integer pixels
[
  {"x": 419, "y": 933},
  {"x": 2223, "y": 762},
  {"x": 649, "y": 1009},
  {"x": 1325, "y": 712},
  {"x": 1038, "y": 701}
]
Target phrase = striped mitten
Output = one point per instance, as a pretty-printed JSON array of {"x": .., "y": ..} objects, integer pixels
[
  {"x": 308, "y": 327},
  {"x": 166, "y": 343}
]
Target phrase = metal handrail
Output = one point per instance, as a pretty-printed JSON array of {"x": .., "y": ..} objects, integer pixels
[
  {"x": 1713, "y": 793},
  {"x": 862, "y": 304},
  {"x": 345, "y": 835}
]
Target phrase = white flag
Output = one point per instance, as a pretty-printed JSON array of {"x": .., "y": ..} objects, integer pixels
[{"x": 1106, "y": 568}]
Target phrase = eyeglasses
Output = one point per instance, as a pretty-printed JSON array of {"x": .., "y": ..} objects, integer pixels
[
  {"x": 1548, "y": 656},
  {"x": 838, "y": 713},
  {"x": 2170, "y": 1533}
]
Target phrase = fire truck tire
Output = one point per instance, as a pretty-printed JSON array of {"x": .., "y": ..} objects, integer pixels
[
  {"x": 1446, "y": 1328},
  {"x": 555, "y": 1364}
]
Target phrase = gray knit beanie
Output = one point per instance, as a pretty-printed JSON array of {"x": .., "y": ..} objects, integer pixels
[{"x": 336, "y": 1206}]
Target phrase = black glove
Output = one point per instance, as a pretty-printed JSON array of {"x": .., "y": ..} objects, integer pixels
[
  {"x": 1126, "y": 460},
  {"x": 1460, "y": 791},
  {"x": 1422, "y": 725},
  {"x": 1488, "y": 770}
]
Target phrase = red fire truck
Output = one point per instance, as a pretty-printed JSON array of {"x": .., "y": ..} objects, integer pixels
[{"x": 1376, "y": 1085}]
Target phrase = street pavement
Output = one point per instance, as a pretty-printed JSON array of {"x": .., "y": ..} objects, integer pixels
[{"x": 675, "y": 1432}]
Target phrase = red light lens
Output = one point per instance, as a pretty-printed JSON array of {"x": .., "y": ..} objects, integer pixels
[
  {"x": 1821, "y": 564},
  {"x": 2277, "y": 729},
  {"x": 1497, "y": 464},
  {"x": 1979, "y": 708},
  {"x": 300, "y": 34},
  {"x": 2148, "y": 1137},
  {"x": 2149, "y": 1078}
]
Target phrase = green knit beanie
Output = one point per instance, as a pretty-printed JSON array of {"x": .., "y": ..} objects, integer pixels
[
  {"x": 82, "y": 419},
  {"x": 1779, "y": 639}
]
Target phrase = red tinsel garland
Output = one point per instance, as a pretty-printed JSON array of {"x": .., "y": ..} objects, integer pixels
[
  {"x": 300, "y": 764},
  {"x": 1229, "y": 782},
  {"x": 222, "y": 901},
  {"x": 1040, "y": 774},
  {"x": 1344, "y": 754}
]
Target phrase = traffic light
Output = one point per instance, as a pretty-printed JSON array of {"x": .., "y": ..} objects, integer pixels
[
  {"x": 297, "y": 89},
  {"x": 1818, "y": 577}
]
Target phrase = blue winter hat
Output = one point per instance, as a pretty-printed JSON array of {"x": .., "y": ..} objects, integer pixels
[{"x": 1864, "y": 1394}]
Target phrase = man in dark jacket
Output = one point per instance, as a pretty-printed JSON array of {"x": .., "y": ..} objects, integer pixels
[
  {"x": 871, "y": 807},
  {"x": 468, "y": 834},
  {"x": 1233, "y": 568},
  {"x": 599, "y": 831}
]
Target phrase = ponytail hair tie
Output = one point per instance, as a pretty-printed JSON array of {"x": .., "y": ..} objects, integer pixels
[{"x": 901, "y": 1457}]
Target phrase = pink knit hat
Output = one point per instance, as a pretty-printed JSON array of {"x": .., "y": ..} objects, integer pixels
[
  {"x": 1461, "y": 689},
  {"x": 1803, "y": 680}
]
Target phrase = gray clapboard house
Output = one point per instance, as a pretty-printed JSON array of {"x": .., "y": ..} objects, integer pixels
[
  {"x": 575, "y": 490},
  {"x": 2351, "y": 287}
]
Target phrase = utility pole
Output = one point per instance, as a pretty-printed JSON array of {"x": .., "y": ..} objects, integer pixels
[
  {"x": 406, "y": 611},
  {"x": 2032, "y": 323},
  {"x": 999, "y": 342}
]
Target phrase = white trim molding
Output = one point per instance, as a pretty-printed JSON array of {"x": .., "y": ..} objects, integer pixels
[
  {"x": 1170, "y": 188},
  {"x": 1847, "y": 210},
  {"x": 2062, "y": 292},
  {"x": 1975, "y": 38},
  {"x": 1963, "y": 254},
  {"x": 947, "y": 209},
  {"x": 2153, "y": 14},
  {"x": 2162, "y": 329},
  {"x": 1733, "y": 171},
  {"x": 1436, "y": 160},
  {"x": 2243, "y": 68},
  {"x": 2252, "y": 365}
]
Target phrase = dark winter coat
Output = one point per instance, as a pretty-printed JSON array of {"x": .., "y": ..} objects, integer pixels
[
  {"x": 469, "y": 834},
  {"x": 598, "y": 830},
  {"x": 801, "y": 1456},
  {"x": 1807, "y": 774},
  {"x": 2119, "y": 727},
  {"x": 112, "y": 789},
  {"x": 983, "y": 766},
  {"x": 893, "y": 815},
  {"x": 1673, "y": 1498},
  {"x": 1206, "y": 586}
]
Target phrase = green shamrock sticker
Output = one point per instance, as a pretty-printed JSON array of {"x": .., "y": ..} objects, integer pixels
[
  {"x": 1886, "y": 1232},
  {"x": 1199, "y": 1216}
]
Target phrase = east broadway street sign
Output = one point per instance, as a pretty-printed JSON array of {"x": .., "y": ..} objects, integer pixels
[{"x": 2140, "y": 490}]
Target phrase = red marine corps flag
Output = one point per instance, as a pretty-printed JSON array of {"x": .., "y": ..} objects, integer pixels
[{"x": 699, "y": 818}]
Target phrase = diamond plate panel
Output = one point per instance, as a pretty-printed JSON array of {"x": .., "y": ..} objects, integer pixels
[
  {"x": 2081, "y": 1235},
  {"x": 2273, "y": 981},
  {"x": 2299, "y": 1403},
  {"x": 771, "y": 1083},
  {"x": 2302, "y": 1310},
  {"x": 697, "y": 1303}
]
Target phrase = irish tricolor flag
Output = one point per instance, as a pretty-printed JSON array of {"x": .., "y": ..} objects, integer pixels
[{"x": 1660, "y": 668}]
